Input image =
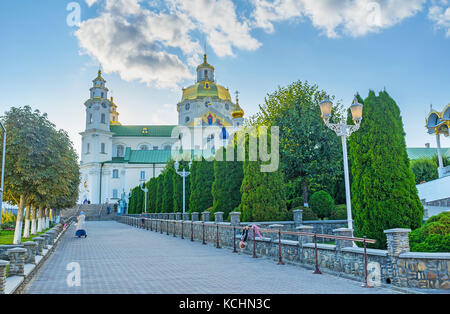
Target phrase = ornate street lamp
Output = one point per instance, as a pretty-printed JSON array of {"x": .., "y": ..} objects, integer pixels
[
  {"x": 343, "y": 130},
  {"x": 183, "y": 174},
  {"x": 145, "y": 189}
]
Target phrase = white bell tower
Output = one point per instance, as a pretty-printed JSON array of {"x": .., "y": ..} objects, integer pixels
[{"x": 96, "y": 139}]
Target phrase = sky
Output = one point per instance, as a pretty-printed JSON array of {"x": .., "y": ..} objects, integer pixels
[{"x": 50, "y": 51}]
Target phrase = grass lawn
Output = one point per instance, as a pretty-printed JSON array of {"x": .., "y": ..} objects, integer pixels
[{"x": 7, "y": 236}]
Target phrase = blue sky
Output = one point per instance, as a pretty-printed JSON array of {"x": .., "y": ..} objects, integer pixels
[{"x": 148, "y": 51}]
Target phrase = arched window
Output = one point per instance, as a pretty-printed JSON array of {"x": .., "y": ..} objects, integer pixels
[
  {"x": 187, "y": 119},
  {"x": 91, "y": 118},
  {"x": 115, "y": 173},
  {"x": 167, "y": 147},
  {"x": 144, "y": 147},
  {"x": 88, "y": 148},
  {"x": 103, "y": 148},
  {"x": 103, "y": 119},
  {"x": 188, "y": 106}
]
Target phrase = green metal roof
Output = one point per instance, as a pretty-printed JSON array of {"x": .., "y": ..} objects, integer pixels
[
  {"x": 423, "y": 152},
  {"x": 142, "y": 130},
  {"x": 151, "y": 156}
]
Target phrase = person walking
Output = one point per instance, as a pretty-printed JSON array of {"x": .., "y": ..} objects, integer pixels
[{"x": 81, "y": 228}]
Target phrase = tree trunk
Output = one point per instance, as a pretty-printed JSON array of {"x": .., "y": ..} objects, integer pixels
[
  {"x": 18, "y": 231},
  {"x": 40, "y": 219},
  {"x": 26, "y": 229},
  {"x": 305, "y": 191},
  {"x": 47, "y": 211},
  {"x": 33, "y": 220}
]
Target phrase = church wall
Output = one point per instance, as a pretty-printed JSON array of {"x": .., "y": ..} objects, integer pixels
[{"x": 136, "y": 142}]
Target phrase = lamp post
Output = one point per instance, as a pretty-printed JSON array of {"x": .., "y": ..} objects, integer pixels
[
  {"x": 183, "y": 174},
  {"x": 143, "y": 188},
  {"x": 343, "y": 130},
  {"x": 3, "y": 170}
]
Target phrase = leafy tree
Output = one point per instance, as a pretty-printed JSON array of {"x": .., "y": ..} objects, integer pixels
[
  {"x": 445, "y": 160},
  {"x": 424, "y": 170},
  {"x": 227, "y": 183},
  {"x": 322, "y": 204},
  {"x": 308, "y": 149},
  {"x": 384, "y": 193},
  {"x": 201, "y": 185},
  {"x": 33, "y": 160}
]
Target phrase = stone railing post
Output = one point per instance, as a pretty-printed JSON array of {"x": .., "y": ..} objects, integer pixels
[
  {"x": 195, "y": 216},
  {"x": 3, "y": 265},
  {"x": 205, "y": 216},
  {"x": 185, "y": 216},
  {"x": 47, "y": 240},
  {"x": 397, "y": 241},
  {"x": 345, "y": 232},
  {"x": 17, "y": 261},
  {"x": 52, "y": 235},
  {"x": 31, "y": 248},
  {"x": 298, "y": 217},
  {"x": 303, "y": 239},
  {"x": 218, "y": 217},
  {"x": 40, "y": 245},
  {"x": 273, "y": 235},
  {"x": 235, "y": 218},
  {"x": 171, "y": 216},
  {"x": 178, "y": 216}
]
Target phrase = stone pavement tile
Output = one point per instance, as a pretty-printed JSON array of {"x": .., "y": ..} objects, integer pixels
[{"x": 117, "y": 258}]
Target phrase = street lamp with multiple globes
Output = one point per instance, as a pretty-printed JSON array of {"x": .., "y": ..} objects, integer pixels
[
  {"x": 343, "y": 130},
  {"x": 145, "y": 190},
  {"x": 183, "y": 174}
]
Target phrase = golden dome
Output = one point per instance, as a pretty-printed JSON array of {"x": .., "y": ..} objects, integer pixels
[
  {"x": 205, "y": 89},
  {"x": 237, "y": 112}
]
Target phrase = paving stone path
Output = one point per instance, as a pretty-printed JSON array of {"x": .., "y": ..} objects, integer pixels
[{"x": 117, "y": 258}]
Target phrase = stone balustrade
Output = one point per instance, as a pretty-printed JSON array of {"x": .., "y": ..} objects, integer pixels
[
  {"x": 28, "y": 253},
  {"x": 396, "y": 265}
]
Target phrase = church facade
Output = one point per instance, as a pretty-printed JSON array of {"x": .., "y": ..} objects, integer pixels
[{"x": 116, "y": 157}]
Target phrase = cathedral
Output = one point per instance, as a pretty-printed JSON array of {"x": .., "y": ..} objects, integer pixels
[{"x": 116, "y": 157}]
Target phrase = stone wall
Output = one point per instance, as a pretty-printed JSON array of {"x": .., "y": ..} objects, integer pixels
[{"x": 396, "y": 265}]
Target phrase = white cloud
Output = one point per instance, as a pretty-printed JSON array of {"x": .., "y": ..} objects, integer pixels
[
  {"x": 90, "y": 2},
  {"x": 439, "y": 13},
  {"x": 335, "y": 17}
]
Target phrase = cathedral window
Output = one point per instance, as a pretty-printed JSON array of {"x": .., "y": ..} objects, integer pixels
[
  {"x": 88, "y": 148},
  {"x": 115, "y": 194},
  {"x": 187, "y": 119},
  {"x": 188, "y": 106},
  {"x": 103, "y": 148},
  {"x": 227, "y": 107},
  {"x": 103, "y": 119},
  {"x": 91, "y": 118},
  {"x": 144, "y": 147},
  {"x": 115, "y": 174},
  {"x": 142, "y": 175},
  {"x": 120, "y": 150},
  {"x": 103, "y": 95},
  {"x": 155, "y": 148}
]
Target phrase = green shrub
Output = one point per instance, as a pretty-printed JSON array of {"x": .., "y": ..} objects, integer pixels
[
  {"x": 433, "y": 236},
  {"x": 322, "y": 204},
  {"x": 297, "y": 202},
  {"x": 339, "y": 212},
  {"x": 424, "y": 170},
  {"x": 308, "y": 214}
]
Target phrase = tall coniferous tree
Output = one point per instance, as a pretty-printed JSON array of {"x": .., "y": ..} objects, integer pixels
[
  {"x": 159, "y": 193},
  {"x": 384, "y": 194},
  {"x": 152, "y": 189},
  {"x": 167, "y": 199},
  {"x": 227, "y": 183},
  {"x": 201, "y": 196}
]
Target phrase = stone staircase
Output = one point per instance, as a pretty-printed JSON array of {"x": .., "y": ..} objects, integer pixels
[{"x": 91, "y": 211}]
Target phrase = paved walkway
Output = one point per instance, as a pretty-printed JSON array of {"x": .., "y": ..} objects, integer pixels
[{"x": 117, "y": 258}]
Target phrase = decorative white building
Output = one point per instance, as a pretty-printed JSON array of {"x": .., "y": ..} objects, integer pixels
[{"x": 115, "y": 157}]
